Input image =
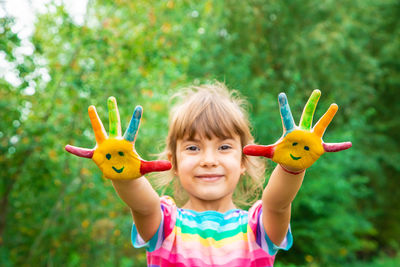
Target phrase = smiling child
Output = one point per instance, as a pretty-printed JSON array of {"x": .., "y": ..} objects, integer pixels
[{"x": 208, "y": 145}]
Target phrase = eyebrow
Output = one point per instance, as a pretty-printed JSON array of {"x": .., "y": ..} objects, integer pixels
[
  {"x": 191, "y": 140},
  {"x": 199, "y": 140}
]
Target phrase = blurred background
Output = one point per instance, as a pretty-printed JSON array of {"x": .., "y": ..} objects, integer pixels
[{"x": 58, "y": 57}]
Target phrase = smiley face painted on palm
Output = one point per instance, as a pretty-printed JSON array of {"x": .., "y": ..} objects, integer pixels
[
  {"x": 117, "y": 159},
  {"x": 300, "y": 146},
  {"x": 299, "y": 149},
  {"x": 115, "y": 155}
]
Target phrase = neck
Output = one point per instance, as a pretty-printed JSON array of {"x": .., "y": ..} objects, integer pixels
[{"x": 221, "y": 205}]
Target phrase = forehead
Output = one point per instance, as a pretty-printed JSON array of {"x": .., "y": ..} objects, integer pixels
[{"x": 203, "y": 138}]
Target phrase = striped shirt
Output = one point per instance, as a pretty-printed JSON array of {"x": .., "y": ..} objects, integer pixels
[{"x": 210, "y": 238}]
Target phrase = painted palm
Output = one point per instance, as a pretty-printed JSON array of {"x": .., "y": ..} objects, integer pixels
[
  {"x": 116, "y": 155},
  {"x": 300, "y": 146}
]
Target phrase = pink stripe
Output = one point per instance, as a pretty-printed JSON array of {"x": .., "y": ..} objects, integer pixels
[
  {"x": 169, "y": 210},
  {"x": 194, "y": 245},
  {"x": 209, "y": 256},
  {"x": 178, "y": 260},
  {"x": 253, "y": 217}
]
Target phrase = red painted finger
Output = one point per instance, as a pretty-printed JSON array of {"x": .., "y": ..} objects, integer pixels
[
  {"x": 154, "y": 166},
  {"x": 259, "y": 150}
]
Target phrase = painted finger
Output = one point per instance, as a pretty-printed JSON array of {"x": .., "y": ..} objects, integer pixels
[
  {"x": 286, "y": 114},
  {"x": 309, "y": 109},
  {"x": 98, "y": 128},
  {"x": 154, "y": 166},
  {"x": 335, "y": 147},
  {"x": 322, "y": 124},
  {"x": 115, "y": 123},
  {"x": 80, "y": 152},
  {"x": 134, "y": 124},
  {"x": 259, "y": 150}
]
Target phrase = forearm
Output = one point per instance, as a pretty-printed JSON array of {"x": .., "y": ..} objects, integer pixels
[
  {"x": 138, "y": 194},
  {"x": 144, "y": 203},
  {"x": 277, "y": 197},
  {"x": 281, "y": 189}
]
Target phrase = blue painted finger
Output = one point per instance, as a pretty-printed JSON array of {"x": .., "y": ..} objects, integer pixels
[
  {"x": 130, "y": 133},
  {"x": 286, "y": 114}
]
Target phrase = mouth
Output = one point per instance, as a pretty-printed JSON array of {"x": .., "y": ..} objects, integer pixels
[
  {"x": 209, "y": 177},
  {"x": 118, "y": 170},
  {"x": 295, "y": 158}
]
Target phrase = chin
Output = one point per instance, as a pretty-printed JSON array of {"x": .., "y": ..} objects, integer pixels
[{"x": 210, "y": 195}]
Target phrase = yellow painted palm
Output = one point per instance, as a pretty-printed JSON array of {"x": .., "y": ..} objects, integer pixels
[
  {"x": 300, "y": 146},
  {"x": 116, "y": 155}
]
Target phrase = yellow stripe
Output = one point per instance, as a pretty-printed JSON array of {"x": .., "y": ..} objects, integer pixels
[{"x": 210, "y": 242}]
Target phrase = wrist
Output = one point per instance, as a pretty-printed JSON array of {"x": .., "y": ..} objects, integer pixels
[{"x": 291, "y": 171}]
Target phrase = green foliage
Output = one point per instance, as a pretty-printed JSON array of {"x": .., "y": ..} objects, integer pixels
[{"x": 56, "y": 209}]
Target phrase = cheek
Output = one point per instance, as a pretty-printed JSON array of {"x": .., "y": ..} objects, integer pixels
[
  {"x": 234, "y": 164},
  {"x": 185, "y": 166}
]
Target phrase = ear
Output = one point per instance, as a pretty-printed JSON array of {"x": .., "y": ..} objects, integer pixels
[
  {"x": 243, "y": 168},
  {"x": 170, "y": 157}
]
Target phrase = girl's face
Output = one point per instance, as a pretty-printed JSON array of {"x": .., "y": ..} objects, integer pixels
[{"x": 209, "y": 169}]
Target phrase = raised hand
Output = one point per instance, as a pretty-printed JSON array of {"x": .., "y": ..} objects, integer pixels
[
  {"x": 300, "y": 146},
  {"x": 116, "y": 155}
]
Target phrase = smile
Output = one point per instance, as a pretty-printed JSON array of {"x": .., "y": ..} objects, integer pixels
[
  {"x": 118, "y": 170},
  {"x": 209, "y": 177},
  {"x": 295, "y": 158}
]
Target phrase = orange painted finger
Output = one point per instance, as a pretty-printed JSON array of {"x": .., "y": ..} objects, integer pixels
[
  {"x": 322, "y": 124},
  {"x": 98, "y": 128}
]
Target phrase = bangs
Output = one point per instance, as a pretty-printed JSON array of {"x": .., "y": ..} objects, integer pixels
[{"x": 209, "y": 118}]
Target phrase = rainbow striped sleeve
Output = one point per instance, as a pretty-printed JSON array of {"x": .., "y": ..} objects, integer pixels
[
  {"x": 168, "y": 210},
  {"x": 210, "y": 238},
  {"x": 262, "y": 239}
]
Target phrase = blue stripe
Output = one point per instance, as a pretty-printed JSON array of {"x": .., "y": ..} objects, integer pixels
[
  {"x": 287, "y": 117},
  {"x": 133, "y": 124},
  {"x": 213, "y": 217},
  {"x": 209, "y": 225}
]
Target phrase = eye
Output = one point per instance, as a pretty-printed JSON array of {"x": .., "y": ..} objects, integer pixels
[
  {"x": 295, "y": 144},
  {"x": 121, "y": 153},
  {"x": 108, "y": 156},
  {"x": 192, "y": 148},
  {"x": 225, "y": 147},
  {"x": 306, "y": 148}
]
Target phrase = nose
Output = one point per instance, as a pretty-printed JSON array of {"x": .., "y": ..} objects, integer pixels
[{"x": 209, "y": 158}]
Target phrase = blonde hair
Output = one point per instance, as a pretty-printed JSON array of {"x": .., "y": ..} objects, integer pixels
[{"x": 211, "y": 110}]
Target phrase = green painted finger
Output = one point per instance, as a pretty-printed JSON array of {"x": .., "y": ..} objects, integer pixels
[
  {"x": 309, "y": 109},
  {"x": 115, "y": 123}
]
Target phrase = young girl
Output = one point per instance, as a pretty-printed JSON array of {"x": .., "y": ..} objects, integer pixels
[{"x": 208, "y": 131}]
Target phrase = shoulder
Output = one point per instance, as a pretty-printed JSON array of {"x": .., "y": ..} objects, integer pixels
[
  {"x": 254, "y": 215},
  {"x": 167, "y": 201},
  {"x": 168, "y": 206}
]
